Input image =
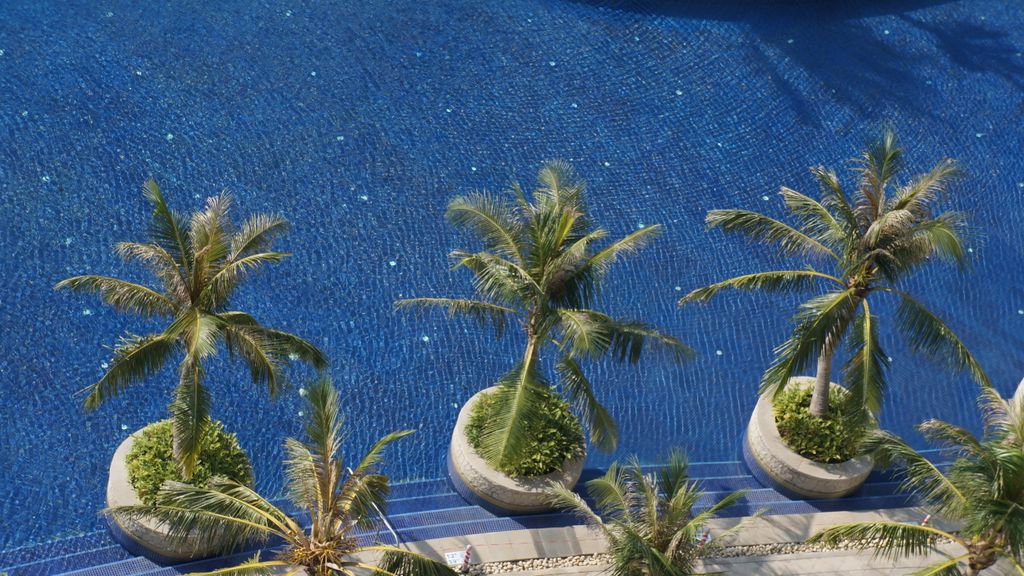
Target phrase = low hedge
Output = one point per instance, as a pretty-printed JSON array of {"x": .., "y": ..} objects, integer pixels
[
  {"x": 554, "y": 439},
  {"x": 151, "y": 461},
  {"x": 833, "y": 438}
]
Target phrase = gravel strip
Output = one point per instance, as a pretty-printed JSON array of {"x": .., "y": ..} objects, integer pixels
[{"x": 603, "y": 559}]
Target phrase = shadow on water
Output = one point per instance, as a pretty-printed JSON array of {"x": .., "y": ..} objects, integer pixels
[
  {"x": 758, "y": 10},
  {"x": 976, "y": 48},
  {"x": 827, "y": 49}
]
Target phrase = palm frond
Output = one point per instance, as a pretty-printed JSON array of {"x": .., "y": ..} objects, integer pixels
[
  {"x": 889, "y": 539},
  {"x": 815, "y": 218},
  {"x": 497, "y": 279},
  {"x": 303, "y": 477},
  {"x": 865, "y": 370},
  {"x": 584, "y": 332},
  {"x": 399, "y": 562},
  {"x": 324, "y": 421},
  {"x": 919, "y": 474},
  {"x": 604, "y": 433},
  {"x": 361, "y": 496},
  {"x": 775, "y": 281},
  {"x": 888, "y": 228},
  {"x": 926, "y": 188},
  {"x": 768, "y": 230},
  {"x": 1016, "y": 564},
  {"x": 573, "y": 255},
  {"x": 256, "y": 235},
  {"x": 834, "y": 199},
  {"x": 295, "y": 347},
  {"x": 478, "y": 310},
  {"x": 610, "y": 492},
  {"x": 123, "y": 296},
  {"x": 948, "y": 567},
  {"x": 882, "y": 160},
  {"x": 492, "y": 219},
  {"x": 628, "y": 245},
  {"x": 226, "y": 512},
  {"x": 260, "y": 355},
  {"x": 190, "y": 412},
  {"x": 563, "y": 498},
  {"x": 629, "y": 338},
  {"x": 167, "y": 227},
  {"x": 632, "y": 549},
  {"x": 220, "y": 285},
  {"x": 929, "y": 335},
  {"x": 364, "y": 491},
  {"x": 942, "y": 236},
  {"x": 251, "y": 567},
  {"x": 1004, "y": 418},
  {"x": 198, "y": 331},
  {"x": 209, "y": 229},
  {"x": 560, "y": 184},
  {"x": 821, "y": 320},
  {"x": 553, "y": 227},
  {"x": 160, "y": 262},
  {"x": 517, "y": 402},
  {"x": 135, "y": 359},
  {"x": 375, "y": 455},
  {"x": 724, "y": 502},
  {"x": 675, "y": 475}
]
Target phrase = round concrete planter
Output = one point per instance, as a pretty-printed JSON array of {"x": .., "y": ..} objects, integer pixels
[
  {"x": 476, "y": 480},
  {"x": 768, "y": 454},
  {"x": 145, "y": 537}
]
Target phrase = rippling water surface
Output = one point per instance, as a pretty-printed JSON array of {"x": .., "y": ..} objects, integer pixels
[{"x": 359, "y": 120}]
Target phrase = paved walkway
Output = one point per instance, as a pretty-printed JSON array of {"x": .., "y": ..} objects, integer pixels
[{"x": 576, "y": 540}]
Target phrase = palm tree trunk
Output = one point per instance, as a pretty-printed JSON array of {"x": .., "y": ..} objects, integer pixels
[
  {"x": 822, "y": 382},
  {"x": 530, "y": 356}
]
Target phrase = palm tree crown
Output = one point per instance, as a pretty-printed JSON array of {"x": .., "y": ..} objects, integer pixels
[
  {"x": 199, "y": 263},
  {"x": 648, "y": 519},
  {"x": 982, "y": 491},
  {"x": 541, "y": 267},
  {"x": 335, "y": 500},
  {"x": 871, "y": 238}
]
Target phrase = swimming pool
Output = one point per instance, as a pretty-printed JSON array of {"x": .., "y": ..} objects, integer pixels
[{"x": 359, "y": 120}]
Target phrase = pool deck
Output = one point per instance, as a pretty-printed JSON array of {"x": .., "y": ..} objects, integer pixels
[
  {"x": 579, "y": 540},
  {"x": 431, "y": 514},
  {"x": 575, "y": 540}
]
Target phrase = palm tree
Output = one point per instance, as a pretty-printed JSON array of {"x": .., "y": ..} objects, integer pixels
[
  {"x": 540, "y": 266},
  {"x": 199, "y": 263},
  {"x": 872, "y": 239},
  {"x": 982, "y": 492},
  {"x": 647, "y": 519},
  {"x": 335, "y": 500}
]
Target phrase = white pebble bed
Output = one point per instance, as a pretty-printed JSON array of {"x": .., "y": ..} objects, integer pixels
[{"x": 604, "y": 559}]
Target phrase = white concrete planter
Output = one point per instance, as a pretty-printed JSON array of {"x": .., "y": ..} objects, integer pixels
[
  {"x": 791, "y": 471},
  {"x": 512, "y": 494},
  {"x": 146, "y": 537}
]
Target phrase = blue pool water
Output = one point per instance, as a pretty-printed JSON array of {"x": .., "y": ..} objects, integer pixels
[{"x": 359, "y": 120}]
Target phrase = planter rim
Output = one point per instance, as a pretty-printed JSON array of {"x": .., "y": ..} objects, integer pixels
[
  {"x": 144, "y": 537},
  {"x": 522, "y": 494},
  {"x": 792, "y": 471}
]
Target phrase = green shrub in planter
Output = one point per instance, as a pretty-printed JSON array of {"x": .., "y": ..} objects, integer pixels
[
  {"x": 552, "y": 439},
  {"x": 835, "y": 437},
  {"x": 151, "y": 459}
]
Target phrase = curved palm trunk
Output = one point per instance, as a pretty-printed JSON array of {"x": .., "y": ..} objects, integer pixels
[
  {"x": 982, "y": 556},
  {"x": 822, "y": 382}
]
